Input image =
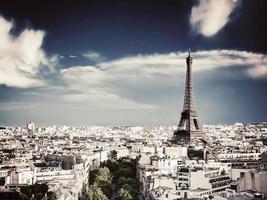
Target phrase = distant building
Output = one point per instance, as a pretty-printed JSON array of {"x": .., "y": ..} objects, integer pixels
[
  {"x": 253, "y": 180},
  {"x": 30, "y": 127}
]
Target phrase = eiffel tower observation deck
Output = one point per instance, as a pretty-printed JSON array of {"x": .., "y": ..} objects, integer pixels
[{"x": 189, "y": 129}]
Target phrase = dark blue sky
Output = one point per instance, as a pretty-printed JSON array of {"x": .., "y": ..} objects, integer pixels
[
  {"x": 119, "y": 28},
  {"x": 102, "y": 43}
]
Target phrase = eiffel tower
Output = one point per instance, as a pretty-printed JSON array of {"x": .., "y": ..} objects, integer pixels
[{"x": 189, "y": 128}]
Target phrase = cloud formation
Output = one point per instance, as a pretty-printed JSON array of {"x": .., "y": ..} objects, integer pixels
[
  {"x": 146, "y": 89},
  {"x": 260, "y": 70},
  {"x": 90, "y": 86},
  {"x": 93, "y": 56},
  {"x": 22, "y": 58},
  {"x": 125, "y": 80},
  {"x": 209, "y": 16}
]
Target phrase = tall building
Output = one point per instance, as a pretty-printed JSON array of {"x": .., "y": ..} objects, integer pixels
[
  {"x": 189, "y": 129},
  {"x": 30, "y": 127}
]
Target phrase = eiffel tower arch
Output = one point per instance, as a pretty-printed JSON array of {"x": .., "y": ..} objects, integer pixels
[{"x": 189, "y": 128}]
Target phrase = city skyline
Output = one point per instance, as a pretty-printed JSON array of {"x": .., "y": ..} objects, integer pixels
[{"x": 123, "y": 63}]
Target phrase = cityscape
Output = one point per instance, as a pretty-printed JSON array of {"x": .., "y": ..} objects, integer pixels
[{"x": 97, "y": 109}]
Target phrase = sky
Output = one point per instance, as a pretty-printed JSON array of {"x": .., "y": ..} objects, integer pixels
[{"x": 122, "y": 62}]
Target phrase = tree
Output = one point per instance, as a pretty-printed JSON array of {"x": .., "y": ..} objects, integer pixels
[
  {"x": 125, "y": 172},
  {"x": 113, "y": 154},
  {"x": 132, "y": 190},
  {"x": 27, "y": 190},
  {"x": 104, "y": 173},
  {"x": 43, "y": 188},
  {"x": 51, "y": 195},
  {"x": 130, "y": 181},
  {"x": 38, "y": 196},
  {"x": 121, "y": 181},
  {"x": 95, "y": 193},
  {"x": 112, "y": 165},
  {"x": 40, "y": 188},
  {"x": 23, "y": 197},
  {"x": 92, "y": 176},
  {"x": 105, "y": 186},
  {"x": 124, "y": 195},
  {"x": 103, "y": 180},
  {"x": 121, "y": 172},
  {"x": 100, "y": 178}
]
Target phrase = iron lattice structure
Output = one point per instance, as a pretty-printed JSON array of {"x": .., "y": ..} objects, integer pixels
[{"x": 189, "y": 127}]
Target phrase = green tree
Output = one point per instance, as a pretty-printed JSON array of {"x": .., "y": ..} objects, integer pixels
[
  {"x": 113, "y": 165},
  {"x": 105, "y": 186},
  {"x": 92, "y": 176},
  {"x": 100, "y": 178},
  {"x": 51, "y": 195},
  {"x": 121, "y": 181},
  {"x": 132, "y": 189},
  {"x": 23, "y": 197},
  {"x": 38, "y": 196},
  {"x": 121, "y": 172},
  {"x": 27, "y": 190},
  {"x": 43, "y": 188},
  {"x": 124, "y": 195},
  {"x": 95, "y": 193},
  {"x": 103, "y": 180},
  {"x": 40, "y": 188},
  {"x": 125, "y": 172},
  {"x": 113, "y": 154},
  {"x": 130, "y": 181},
  {"x": 104, "y": 174}
]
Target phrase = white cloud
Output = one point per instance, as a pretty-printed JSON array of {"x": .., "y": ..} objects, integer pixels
[
  {"x": 145, "y": 89},
  {"x": 89, "y": 85},
  {"x": 94, "y": 56},
  {"x": 122, "y": 83},
  {"x": 22, "y": 57},
  {"x": 72, "y": 56},
  {"x": 259, "y": 70},
  {"x": 210, "y": 16},
  {"x": 174, "y": 63}
]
